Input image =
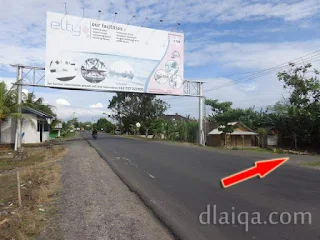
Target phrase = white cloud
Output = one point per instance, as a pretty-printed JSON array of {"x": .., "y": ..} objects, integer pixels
[
  {"x": 246, "y": 10},
  {"x": 249, "y": 55},
  {"x": 61, "y": 101},
  {"x": 69, "y": 104},
  {"x": 248, "y": 88},
  {"x": 97, "y": 105},
  {"x": 8, "y": 81},
  {"x": 19, "y": 54},
  {"x": 65, "y": 112}
]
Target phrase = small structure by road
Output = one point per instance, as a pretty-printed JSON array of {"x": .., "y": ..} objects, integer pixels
[
  {"x": 241, "y": 136},
  {"x": 56, "y": 131},
  {"x": 31, "y": 133}
]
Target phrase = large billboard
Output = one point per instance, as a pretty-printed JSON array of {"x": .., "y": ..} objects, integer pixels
[{"x": 90, "y": 54}]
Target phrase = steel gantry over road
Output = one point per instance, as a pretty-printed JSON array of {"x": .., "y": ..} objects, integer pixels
[{"x": 31, "y": 76}]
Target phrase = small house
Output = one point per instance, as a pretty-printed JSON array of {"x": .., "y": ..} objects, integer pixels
[
  {"x": 241, "y": 136},
  {"x": 35, "y": 127}
]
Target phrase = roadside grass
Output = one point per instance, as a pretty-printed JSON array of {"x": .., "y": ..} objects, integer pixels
[
  {"x": 313, "y": 164},
  {"x": 257, "y": 149},
  {"x": 40, "y": 184},
  {"x": 9, "y": 164}
]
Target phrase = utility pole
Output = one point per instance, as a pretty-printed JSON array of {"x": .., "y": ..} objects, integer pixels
[
  {"x": 201, "y": 136},
  {"x": 204, "y": 119},
  {"x": 17, "y": 143}
]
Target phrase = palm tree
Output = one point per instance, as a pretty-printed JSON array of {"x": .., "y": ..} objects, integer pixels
[
  {"x": 8, "y": 103},
  {"x": 30, "y": 100}
]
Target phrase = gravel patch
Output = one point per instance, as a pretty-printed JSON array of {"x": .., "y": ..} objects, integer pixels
[{"x": 96, "y": 204}]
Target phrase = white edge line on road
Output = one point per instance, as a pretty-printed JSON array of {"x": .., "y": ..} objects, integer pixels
[{"x": 151, "y": 175}]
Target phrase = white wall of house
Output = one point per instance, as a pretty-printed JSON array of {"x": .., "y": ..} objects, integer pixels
[
  {"x": 8, "y": 131},
  {"x": 45, "y": 136},
  {"x": 30, "y": 131}
]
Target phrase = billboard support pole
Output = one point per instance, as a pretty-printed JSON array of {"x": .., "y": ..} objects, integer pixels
[
  {"x": 201, "y": 135},
  {"x": 17, "y": 143}
]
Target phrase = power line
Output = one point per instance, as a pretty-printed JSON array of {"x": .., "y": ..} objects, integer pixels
[
  {"x": 231, "y": 83},
  {"x": 268, "y": 71},
  {"x": 244, "y": 80},
  {"x": 262, "y": 73}
]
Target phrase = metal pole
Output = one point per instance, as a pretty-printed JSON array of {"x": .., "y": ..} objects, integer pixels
[
  {"x": 19, "y": 191},
  {"x": 201, "y": 140},
  {"x": 204, "y": 120},
  {"x": 34, "y": 76},
  {"x": 17, "y": 144}
]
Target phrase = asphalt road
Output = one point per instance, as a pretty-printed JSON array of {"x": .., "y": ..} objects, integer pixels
[{"x": 178, "y": 182}]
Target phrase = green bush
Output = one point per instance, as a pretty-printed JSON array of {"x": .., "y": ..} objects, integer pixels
[{"x": 185, "y": 131}]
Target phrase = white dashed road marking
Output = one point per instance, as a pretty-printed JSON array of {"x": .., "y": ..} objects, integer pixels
[{"x": 151, "y": 175}]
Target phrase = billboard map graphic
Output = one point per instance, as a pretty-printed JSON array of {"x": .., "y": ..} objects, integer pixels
[{"x": 90, "y": 54}]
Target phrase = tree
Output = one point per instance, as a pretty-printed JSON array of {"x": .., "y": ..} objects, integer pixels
[
  {"x": 8, "y": 103},
  {"x": 262, "y": 132},
  {"x": 30, "y": 100},
  {"x": 304, "y": 105},
  {"x": 75, "y": 122},
  {"x": 85, "y": 125},
  {"x": 151, "y": 109},
  {"x": 131, "y": 108},
  {"x": 104, "y": 124},
  {"x": 158, "y": 127},
  {"x": 123, "y": 107},
  {"x": 170, "y": 131}
]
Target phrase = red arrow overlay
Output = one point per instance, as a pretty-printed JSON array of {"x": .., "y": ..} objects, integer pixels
[{"x": 261, "y": 169}]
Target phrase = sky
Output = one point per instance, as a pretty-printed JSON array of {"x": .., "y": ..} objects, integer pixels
[{"x": 235, "y": 46}]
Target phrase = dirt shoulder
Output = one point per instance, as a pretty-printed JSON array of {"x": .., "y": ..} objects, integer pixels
[
  {"x": 95, "y": 203},
  {"x": 39, "y": 174}
]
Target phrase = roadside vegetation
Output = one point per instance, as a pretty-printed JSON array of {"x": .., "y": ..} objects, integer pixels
[
  {"x": 296, "y": 118},
  {"x": 313, "y": 164},
  {"x": 39, "y": 183}
]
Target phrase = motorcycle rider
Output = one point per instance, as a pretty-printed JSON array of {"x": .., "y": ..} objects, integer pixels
[{"x": 94, "y": 132}]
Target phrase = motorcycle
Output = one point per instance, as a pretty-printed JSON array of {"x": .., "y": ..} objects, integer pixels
[{"x": 95, "y": 136}]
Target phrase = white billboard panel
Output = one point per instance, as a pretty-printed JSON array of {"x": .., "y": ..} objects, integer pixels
[{"x": 90, "y": 54}]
